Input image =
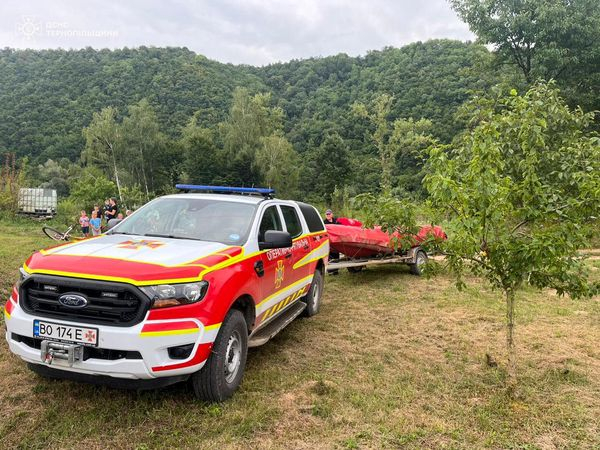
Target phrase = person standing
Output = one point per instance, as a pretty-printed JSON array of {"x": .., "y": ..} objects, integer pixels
[
  {"x": 329, "y": 218},
  {"x": 84, "y": 221},
  {"x": 96, "y": 224},
  {"x": 111, "y": 213}
]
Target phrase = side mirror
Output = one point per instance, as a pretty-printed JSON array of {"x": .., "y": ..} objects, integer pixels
[
  {"x": 112, "y": 223},
  {"x": 276, "y": 239}
]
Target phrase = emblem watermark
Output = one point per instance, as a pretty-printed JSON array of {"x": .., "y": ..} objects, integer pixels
[{"x": 31, "y": 27}]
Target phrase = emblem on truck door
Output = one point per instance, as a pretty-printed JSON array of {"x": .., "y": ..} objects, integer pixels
[{"x": 73, "y": 300}]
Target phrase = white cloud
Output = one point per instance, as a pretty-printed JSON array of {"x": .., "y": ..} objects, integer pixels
[{"x": 238, "y": 31}]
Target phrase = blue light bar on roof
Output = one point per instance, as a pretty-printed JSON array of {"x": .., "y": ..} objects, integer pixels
[{"x": 225, "y": 189}]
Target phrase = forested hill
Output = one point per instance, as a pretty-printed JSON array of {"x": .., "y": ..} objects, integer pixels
[{"x": 47, "y": 97}]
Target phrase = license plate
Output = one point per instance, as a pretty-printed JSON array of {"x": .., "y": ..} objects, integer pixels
[{"x": 65, "y": 333}]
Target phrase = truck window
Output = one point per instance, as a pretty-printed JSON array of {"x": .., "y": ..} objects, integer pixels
[
  {"x": 312, "y": 217},
  {"x": 292, "y": 222},
  {"x": 269, "y": 221}
]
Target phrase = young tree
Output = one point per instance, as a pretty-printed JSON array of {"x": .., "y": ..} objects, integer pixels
[
  {"x": 517, "y": 189},
  {"x": 102, "y": 140}
]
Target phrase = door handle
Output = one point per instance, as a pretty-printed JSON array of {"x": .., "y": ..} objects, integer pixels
[{"x": 289, "y": 255}]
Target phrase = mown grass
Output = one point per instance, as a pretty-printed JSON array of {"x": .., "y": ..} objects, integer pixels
[{"x": 391, "y": 361}]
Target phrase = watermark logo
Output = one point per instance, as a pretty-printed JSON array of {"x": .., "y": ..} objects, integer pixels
[
  {"x": 32, "y": 27},
  {"x": 29, "y": 27}
]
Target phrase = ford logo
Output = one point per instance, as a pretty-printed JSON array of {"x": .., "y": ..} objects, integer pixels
[{"x": 73, "y": 300}]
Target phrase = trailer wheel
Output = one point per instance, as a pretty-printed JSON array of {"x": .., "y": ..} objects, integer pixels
[
  {"x": 420, "y": 259},
  {"x": 355, "y": 269},
  {"x": 223, "y": 372}
]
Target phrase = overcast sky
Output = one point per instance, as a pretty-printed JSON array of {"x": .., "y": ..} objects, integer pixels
[{"x": 253, "y": 32}]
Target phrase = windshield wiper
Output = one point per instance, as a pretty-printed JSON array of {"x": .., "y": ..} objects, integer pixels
[
  {"x": 121, "y": 232},
  {"x": 171, "y": 236}
]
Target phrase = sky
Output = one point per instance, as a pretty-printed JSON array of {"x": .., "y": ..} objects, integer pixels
[{"x": 256, "y": 32}]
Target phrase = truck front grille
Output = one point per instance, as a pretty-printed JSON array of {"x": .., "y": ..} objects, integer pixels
[{"x": 109, "y": 303}]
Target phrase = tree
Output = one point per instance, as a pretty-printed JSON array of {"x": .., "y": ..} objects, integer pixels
[
  {"x": 327, "y": 166},
  {"x": 142, "y": 144},
  {"x": 411, "y": 139},
  {"x": 102, "y": 143},
  {"x": 377, "y": 114},
  {"x": 278, "y": 163},
  {"x": 202, "y": 162},
  {"x": 250, "y": 120},
  {"x": 92, "y": 187},
  {"x": 517, "y": 189},
  {"x": 548, "y": 39}
]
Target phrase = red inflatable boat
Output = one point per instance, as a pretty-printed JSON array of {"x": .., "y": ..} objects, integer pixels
[{"x": 348, "y": 237}]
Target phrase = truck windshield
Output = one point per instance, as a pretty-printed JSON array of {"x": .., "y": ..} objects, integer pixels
[{"x": 191, "y": 218}]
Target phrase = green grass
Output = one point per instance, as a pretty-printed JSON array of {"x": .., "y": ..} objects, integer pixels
[{"x": 391, "y": 361}]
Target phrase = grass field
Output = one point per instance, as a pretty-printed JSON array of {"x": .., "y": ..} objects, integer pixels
[{"x": 391, "y": 361}]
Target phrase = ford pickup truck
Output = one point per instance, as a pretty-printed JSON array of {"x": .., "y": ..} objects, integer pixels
[{"x": 179, "y": 290}]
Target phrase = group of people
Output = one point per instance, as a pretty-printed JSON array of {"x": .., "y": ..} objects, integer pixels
[{"x": 93, "y": 226}]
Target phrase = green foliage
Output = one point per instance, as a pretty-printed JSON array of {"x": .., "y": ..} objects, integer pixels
[
  {"x": 277, "y": 163},
  {"x": 68, "y": 212},
  {"x": 548, "y": 39},
  {"x": 202, "y": 161},
  {"x": 92, "y": 187},
  {"x": 517, "y": 190},
  {"x": 327, "y": 167},
  {"x": 397, "y": 217}
]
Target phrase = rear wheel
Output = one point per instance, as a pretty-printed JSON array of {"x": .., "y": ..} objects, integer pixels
[
  {"x": 313, "y": 298},
  {"x": 223, "y": 372},
  {"x": 54, "y": 234},
  {"x": 417, "y": 266},
  {"x": 355, "y": 269}
]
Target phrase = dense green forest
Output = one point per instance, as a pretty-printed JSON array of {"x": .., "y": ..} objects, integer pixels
[
  {"x": 136, "y": 121},
  {"x": 48, "y": 97}
]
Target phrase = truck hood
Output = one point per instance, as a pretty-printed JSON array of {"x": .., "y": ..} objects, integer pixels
[{"x": 134, "y": 259}]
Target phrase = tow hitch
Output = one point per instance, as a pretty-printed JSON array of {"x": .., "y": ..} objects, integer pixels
[{"x": 56, "y": 350}]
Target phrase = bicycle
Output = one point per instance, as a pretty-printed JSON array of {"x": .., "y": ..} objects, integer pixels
[{"x": 57, "y": 235}]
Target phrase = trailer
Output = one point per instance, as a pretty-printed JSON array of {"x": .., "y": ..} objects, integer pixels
[
  {"x": 37, "y": 202},
  {"x": 414, "y": 258}
]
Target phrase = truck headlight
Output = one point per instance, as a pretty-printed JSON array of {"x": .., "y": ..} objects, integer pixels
[
  {"x": 165, "y": 295},
  {"x": 22, "y": 276}
]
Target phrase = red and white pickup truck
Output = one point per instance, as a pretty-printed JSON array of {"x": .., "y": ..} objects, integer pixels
[{"x": 178, "y": 290}]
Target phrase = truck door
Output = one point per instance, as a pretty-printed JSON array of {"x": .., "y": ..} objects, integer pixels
[
  {"x": 301, "y": 246},
  {"x": 273, "y": 261}
]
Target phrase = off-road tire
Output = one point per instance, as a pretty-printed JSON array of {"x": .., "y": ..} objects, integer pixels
[
  {"x": 420, "y": 259},
  {"x": 216, "y": 382},
  {"x": 314, "y": 296}
]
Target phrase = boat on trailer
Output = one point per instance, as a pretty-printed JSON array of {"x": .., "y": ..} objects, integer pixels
[{"x": 359, "y": 247}]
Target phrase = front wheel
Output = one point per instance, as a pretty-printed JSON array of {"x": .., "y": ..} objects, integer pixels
[
  {"x": 55, "y": 234},
  {"x": 223, "y": 372},
  {"x": 313, "y": 298}
]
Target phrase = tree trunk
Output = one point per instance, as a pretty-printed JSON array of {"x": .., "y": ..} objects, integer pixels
[
  {"x": 112, "y": 151},
  {"x": 510, "y": 342}
]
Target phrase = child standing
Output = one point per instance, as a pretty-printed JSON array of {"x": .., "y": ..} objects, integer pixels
[
  {"x": 84, "y": 221},
  {"x": 96, "y": 224}
]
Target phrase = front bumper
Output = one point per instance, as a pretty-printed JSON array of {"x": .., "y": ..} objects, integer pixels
[{"x": 151, "y": 339}]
